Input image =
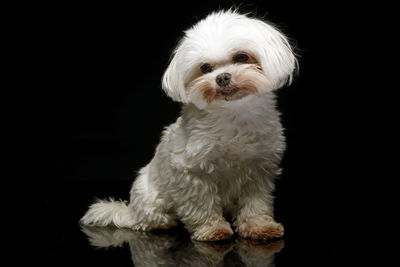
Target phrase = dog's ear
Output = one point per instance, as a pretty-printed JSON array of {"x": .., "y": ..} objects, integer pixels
[
  {"x": 278, "y": 60},
  {"x": 173, "y": 81}
]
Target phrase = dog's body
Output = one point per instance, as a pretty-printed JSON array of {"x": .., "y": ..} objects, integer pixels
[{"x": 221, "y": 156}]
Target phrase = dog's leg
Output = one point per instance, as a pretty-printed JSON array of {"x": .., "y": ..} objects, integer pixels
[
  {"x": 255, "y": 217},
  {"x": 148, "y": 206},
  {"x": 198, "y": 206}
]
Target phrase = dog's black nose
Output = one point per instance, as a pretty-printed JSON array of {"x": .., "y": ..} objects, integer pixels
[{"x": 223, "y": 79}]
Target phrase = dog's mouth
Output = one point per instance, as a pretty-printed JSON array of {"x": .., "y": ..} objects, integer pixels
[{"x": 227, "y": 92}]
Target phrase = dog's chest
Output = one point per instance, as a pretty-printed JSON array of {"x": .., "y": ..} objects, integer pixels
[
  {"x": 218, "y": 142},
  {"x": 234, "y": 142}
]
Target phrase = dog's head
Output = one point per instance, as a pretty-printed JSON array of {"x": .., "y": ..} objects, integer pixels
[{"x": 226, "y": 57}]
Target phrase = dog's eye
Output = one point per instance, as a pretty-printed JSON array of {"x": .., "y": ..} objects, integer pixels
[
  {"x": 240, "y": 58},
  {"x": 205, "y": 68}
]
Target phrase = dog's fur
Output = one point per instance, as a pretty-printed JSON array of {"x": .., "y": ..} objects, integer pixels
[{"x": 220, "y": 158}]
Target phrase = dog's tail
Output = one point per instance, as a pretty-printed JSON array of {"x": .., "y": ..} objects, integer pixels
[{"x": 108, "y": 212}]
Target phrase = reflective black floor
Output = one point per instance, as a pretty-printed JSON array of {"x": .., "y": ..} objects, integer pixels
[
  {"x": 61, "y": 241},
  {"x": 175, "y": 249}
]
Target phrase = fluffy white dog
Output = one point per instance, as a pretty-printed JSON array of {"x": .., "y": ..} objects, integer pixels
[{"x": 220, "y": 158}]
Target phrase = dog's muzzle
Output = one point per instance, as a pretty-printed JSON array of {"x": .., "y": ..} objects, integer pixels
[{"x": 224, "y": 82}]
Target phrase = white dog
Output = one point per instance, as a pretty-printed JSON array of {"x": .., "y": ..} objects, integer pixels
[{"x": 220, "y": 158}]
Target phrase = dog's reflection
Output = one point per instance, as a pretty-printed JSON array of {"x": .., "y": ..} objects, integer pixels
[{"x": 172, "y": 249}]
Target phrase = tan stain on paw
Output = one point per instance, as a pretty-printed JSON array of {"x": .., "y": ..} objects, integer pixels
[
  {"x": 214, "y": 230},
  {"x": 261, "y": 229},
  {"x": 164, "y": 226},
  {"x": 220, "y": 234}
]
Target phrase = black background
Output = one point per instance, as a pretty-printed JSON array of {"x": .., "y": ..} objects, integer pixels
[{"x": 336, "y": 194}]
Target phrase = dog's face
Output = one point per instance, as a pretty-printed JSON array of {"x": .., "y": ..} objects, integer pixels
[
  {"x": 231, "y": 78},
  {"x": 226, "y": 57}
]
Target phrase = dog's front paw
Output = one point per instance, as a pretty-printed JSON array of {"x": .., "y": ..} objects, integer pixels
[
  {"x": 219, "y": 230},
  {"x": 164, "y": 226},
  {"x": 260, "y": 227}
]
